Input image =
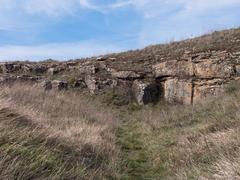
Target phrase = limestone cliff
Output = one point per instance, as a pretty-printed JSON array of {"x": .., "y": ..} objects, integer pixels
[{"x": 184, "y": 72}]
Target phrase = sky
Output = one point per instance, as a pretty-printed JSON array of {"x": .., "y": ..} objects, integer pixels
[{"x": 69, "y": 29}]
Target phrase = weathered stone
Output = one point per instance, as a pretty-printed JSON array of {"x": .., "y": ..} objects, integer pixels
[
  {"x": 206, "y": 89},
  {"x": 173, "y": 68},
  {"x": 92, "y": 84},
  {"x": 127, "y": 75},
  {"x": 209, "y": 69},
  {"x": 59, "y": 85},
  {"x": 145, "y": 92},
  {"x": 88, "y": 69},
  {"x": 176, "y": 90}
]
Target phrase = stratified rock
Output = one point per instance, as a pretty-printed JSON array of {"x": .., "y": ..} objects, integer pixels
[
  {"x": 145, "y": 92},
  {"x": 210, "y": 69},
  {"x": 173, "y": 68},
  {"x": 211, "y": 88},
  {"x": 127, "y": 75},
  {"x": 176, "y": 90}
]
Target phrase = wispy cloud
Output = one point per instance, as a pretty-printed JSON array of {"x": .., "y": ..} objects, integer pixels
[
  {"x": 149, "y": 21},
  {"x": 60, "y": 51}
]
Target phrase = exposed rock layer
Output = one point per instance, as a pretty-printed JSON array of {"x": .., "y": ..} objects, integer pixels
[{"x": 151, "y": 74}]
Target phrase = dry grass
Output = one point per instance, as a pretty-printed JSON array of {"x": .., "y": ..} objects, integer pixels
[
  {"x": 184, "y": 142},
  {"x": 81, "y": 122},
  {"x": 62, "y": 135}
]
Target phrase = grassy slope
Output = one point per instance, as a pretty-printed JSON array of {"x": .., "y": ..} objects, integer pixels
[
  {"x": 66, "y": 136},
  {"x": 179, "y": 142},
  {"x": 54, "y": 135}
]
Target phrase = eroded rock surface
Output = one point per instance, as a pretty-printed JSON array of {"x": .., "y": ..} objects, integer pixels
[
  {"x": 184, "y": 72},
  {"x": 146, "y": 92}
]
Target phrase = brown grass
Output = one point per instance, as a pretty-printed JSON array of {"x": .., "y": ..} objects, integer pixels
[
  {"x": 186, "y": 142},
  {"x": 79, "y": 137},
  {"x": 82, "y": 122}
]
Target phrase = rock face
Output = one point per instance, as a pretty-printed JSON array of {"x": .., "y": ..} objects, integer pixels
[
  {"x": 145, "y": 92},
  {"x": 174, "y": 68},
  {"x": 204, "y": 89},
  {"x": 184, "y": 72},
  {"x": 127, "y": 75},
  {"x": 210, "y": 69},
  {"x": 176, "y": 90},
  {"x": 201, "y": 76}
]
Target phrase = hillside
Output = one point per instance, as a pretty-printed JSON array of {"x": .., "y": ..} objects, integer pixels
[
  {"x": 184, "y": 72},
  {"x": 153, "y": 113}
]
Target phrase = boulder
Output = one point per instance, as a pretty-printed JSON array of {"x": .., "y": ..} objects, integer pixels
[
  {"x": 145, "y": 92},
  {"x": 176, "y": 90},
  {"x": 210, "y": 69},
  {"x": 173, "y": 68}
]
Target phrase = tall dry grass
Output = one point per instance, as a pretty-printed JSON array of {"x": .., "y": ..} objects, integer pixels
[
  {"x": 91, "y": 141},
  {"x": 185, "y": 142},
  {"x": 83, "y": 122}
]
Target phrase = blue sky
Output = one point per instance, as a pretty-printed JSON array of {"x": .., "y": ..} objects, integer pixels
[{"x": 65, "y": 29}]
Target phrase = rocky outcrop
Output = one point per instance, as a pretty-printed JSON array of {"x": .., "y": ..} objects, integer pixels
[
  {"x": 197, "y": 76},
  {"x": 184, "y": 72},
  {"x": 173, "y": 68},
  {"x": 210, "y": 69},
  {"x": 206, "y": 88},
  {"x": 177, "y": 90},
  {"x": 146, "y": 92},
  {"x": 127, "y": 75}
]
